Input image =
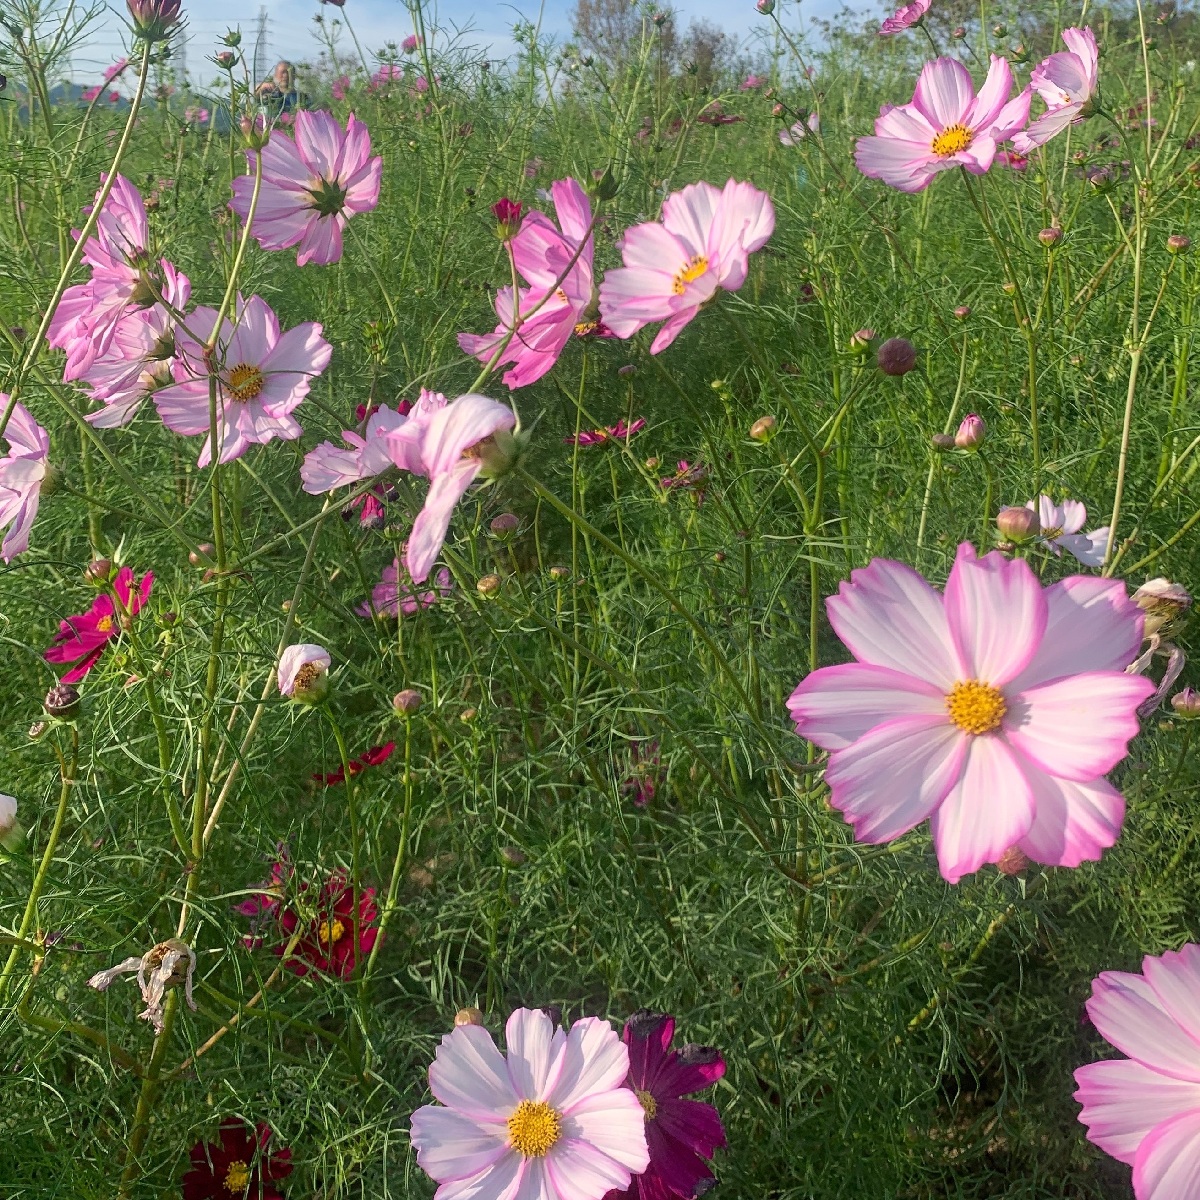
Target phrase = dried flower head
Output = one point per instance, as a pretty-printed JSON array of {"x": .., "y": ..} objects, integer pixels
[{"x": 165, "y": 965}]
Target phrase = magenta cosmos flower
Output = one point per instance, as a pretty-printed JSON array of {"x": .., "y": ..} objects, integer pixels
[
  {"x": 672, "y": 269},
  {"x": 905, "y": 17},
  {"x": 553, "y": 1121},
  {"x": 568, "y": 304},
  {"x": 327, "y": 943},
  {"x": 311, "y": 186},
  {"x": 1060, "y": 530},
  {"x": 469, "y": 437},
  {"x": 994, "y": 710},
  {"x": 946, "y": 125},
  {"x": 682, "y": 1135},
  {"x": 239, "y": 1164},
  {"x": 262, "y": 375},
  {"x": 138, "y": 359},
  {"x": 1145, "y": 1109},
  {"x": 82, "y": 639},
  {"x": 23, "y": 470},
  {"x": 391, "y": 598},
  {"x": 1067, "y": 82}
]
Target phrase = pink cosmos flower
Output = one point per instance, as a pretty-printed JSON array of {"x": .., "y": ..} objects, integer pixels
[
  {"x": 340, "y": 87},
  {"x": 672, "y": 269},
  {"x": 682, "y": 1135},
  {"x": 195, "y": 115},
  {"x": 1145, "y": 1109},
  {"x": 328, "y": 466},
  {"x": 262, "y": 375},
  {"x": 751, "y": 83},
  {"x": 138, "y": 360},
  {"x": 553, "y": 1121},
  {"x": 645, "y": 768},
  {"x": 390, "y": 598},
  {"x": 470, "y": 436},
  {"x": 311, "y": 186},
  {"x": 947, "y": 125},
  {"x": 22, "y": 472},
  {"x": 410, "y": 43},
  {"x": 1011, "y": 160},
  {"x": 303, "y": 671},
  {"x": 995, "y": 710},
  {"x": 541, "y": 254},
  {"x": 1067, "y": 82},
  {"x": 387, "y": 75},
  {"x": 82, "y": 639},
  {"x": 799, "y": 130},
  {"x": 118, "y": 68},
  {"x": 1061, "y": 524},
  {"x": 905, "y": 17},
  {"x": 693, "y": 476},
  {"x": 620, "y": 432},
  {"x": 90, "y": 94}
]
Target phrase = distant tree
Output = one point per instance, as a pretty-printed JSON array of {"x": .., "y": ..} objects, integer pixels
[
  {"x": 709, "y": 48},
  {"x": 611, "y": 30}
]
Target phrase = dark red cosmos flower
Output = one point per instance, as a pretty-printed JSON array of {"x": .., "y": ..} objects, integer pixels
[
  {"x": 239, "y": 1165},
  {"x": 82, "y": 639},
  {"x": 682, "y": 1134},
  {"x": 328, "y": 944},
  {"x": 370, "y": 758},
  {"x": 714, "y": 115},
  {"x": 620, "y": 432},
  {"x": 508, "y": 217}
]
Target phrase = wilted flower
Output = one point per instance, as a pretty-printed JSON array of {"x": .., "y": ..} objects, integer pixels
[
  {"x": 1164, "y": 603},
  {"x": 1050, "y": 236},
  {"x": 620, "y": 432},
  {"x": 238, "y": 1165},
  {"x": 994, "y": 710},
  {"x": 163, "y": 966},
  {"x": 1186, "y": 703},
  {"x": 304, "y": 673},
  {"x": 374, "y": 757}
]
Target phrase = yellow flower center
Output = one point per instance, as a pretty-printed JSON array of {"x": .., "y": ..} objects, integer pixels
[
  {"x": 648, "y": 1103},
  {"x": 953, "y": 140},
  {"x": 237, "y": 1178},
  {"x": 534, "y": 1128},
  {"x": 692, "y": 270},
  {"x": 105, "y": 624},
  {"x": 975, "y": 706},
  {"x": 329, "y": 932},
  {"x": 245, "y": 382},
  {"x": 583, "y": 328},
  {"x": 1051, "y": 534}
]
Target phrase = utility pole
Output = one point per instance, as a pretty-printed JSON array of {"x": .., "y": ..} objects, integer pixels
[{"x": 260, "y": 47}]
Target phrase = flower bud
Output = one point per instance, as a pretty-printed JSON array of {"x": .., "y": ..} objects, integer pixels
[
  {"x": 659, "y": 19},
  {"x": 508, "y": 218},
  {"x": 897, "y": 356},
  {"x": 1050, "y": 236},
  {"x": 304, "y": 673},
  {"x": 11, "y": 833},
  {"x": 559, "y": 573},
  {"x": 763, "y": 430},
  {"x": 971, "y": 432},
  {"x": 766, "y": 7},
  {"x": 505, "y": 525},
  {"x": 690, "y": 66},
  {"x": 1012, "y": 862},
  {"x": 407, "y": 702},
  {"x": 1000, "y": 31},
  {"x": 468, "y": 715},
  {"x": 1018, "y": 54},
  {"x": 154, "y": 20},
  {"x": 1018, "y": 524},
  {"x": 489, "y": 585},
  {"x": 627, "y": 370},
  {"x": 226, "y": 59},
  {"x": 1178, "y": 243},
  {"x": 1164, "y": 603},
  {"x": 202, "y": 556},
  {"x": 962, "y": 312},
  {"x": 468, "y": 1016},
  {"x": 1186, "y": 704},
  {"x": 777, "y": 110},
  {"x": 62, "y": 701},
  {"x": 99, "y": 571},
  {"x": 943, "y": 441},
  {"x": 513, "y": 856},
  {"x": 1008, "y": 288},
  {"x": 232, "y": 38},
  {"x": 860, "y": 341}
]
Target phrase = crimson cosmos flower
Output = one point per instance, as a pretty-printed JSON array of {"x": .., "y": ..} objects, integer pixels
[
  {"x": 82, "y": 639},
  {"x": 620, "y": 432},
  {"x": 370, "y": 758},
  {"x": 682, "y": 1134},
  {"x": 239, "y": 1165}
]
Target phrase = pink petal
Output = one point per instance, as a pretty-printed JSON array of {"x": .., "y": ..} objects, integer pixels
[
  {"x": 594, "y": 1059},
  {"x": 576, "y": 1168},
  {"x": 429, "y": 529},
  {"x": 612, "y": 1124},
  {"x": 1091, "y": 625},
  {"x": 1175, "y": 978},
  {"x": 688, "y": 214},
  {"x": 533, "y": 1043},
  {"x": 1167, "y": 1166},
  {"x": 1047, "y": 126},
  {"x": 989, "y": 810},
  {"x": 469, "y": 1075},
  {"x": 1127, "y": 1012},
  {"x": 452, "y": 1146},
  {"x": 896, "y": 775},
  {"x": 1123, "y": 1101},
  {"x": 944, "y": 92},
  {"x": 908, "y": 166},
  {"x": 996, "y": 612},
  {"x": 322, "y": 241},
  {"x": 835, "y": 706},
  {"x": 1078, "y": 727},
  {"x": 1073, "y": 822},
  {"x": 986, "y": 107},
  {"x": 672, "y": 329},
  {"x": 888, "y": 616}
]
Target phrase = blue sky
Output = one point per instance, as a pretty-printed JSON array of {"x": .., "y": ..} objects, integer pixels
[{"x": 379, "y": 21}]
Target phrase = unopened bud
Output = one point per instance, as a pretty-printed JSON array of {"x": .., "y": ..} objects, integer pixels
[
  {"x": 468, "y": 1016},
  {"x": 971, "y": 432},
  {"x": 154, "y": 19},
  {"x": 232, "y": 38},
  {"x": 1018, "y": 524},
  {"x": 508, "y": 218},
  {"x": 1000, "y": 31},
  {"x": 505, "y": 525},
  {"x": 763, "y": 430},
  {"x": 1008, "y": 288},
  {"x": 659, "y": 19},
  {"x": 489, "y": 585},
  {"x": 1050, "y": 236},
  {"x": 962, "y": 312},
  {"x": 1012, "y": 861},
  {"x": 202, "y": 556},
  {"x": 1186, "y": 704},
  {"x": 1178, "y": 243},
  {"x": 99, "y": 571},
  {"x": 897, "y": 356},
  {"x": 468, "y": 715},
  {"x": 766, "y": 7},
  {"x": 512, "y": 856},
  {"x": 860, "y": 341},
  {"x": 62, "y": 702},
  {"x": 226, "y": 59},
  {"x": 407, "y": 702},
  {"x": 627, "y": 370},
  {"x": 943, "y": 441},
  {"x": 559, "y": 573}
]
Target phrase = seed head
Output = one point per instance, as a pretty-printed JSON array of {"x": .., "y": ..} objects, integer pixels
[{"x": 62, "y": 701}]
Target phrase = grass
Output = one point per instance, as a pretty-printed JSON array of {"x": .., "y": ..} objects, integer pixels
[{"x": 886, "y": 1034}]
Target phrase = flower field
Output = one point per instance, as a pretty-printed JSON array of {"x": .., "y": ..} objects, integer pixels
[{"x": 602, "y": 625}]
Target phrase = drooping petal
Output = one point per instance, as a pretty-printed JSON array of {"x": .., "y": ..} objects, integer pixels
[
  {"x": 835, "y": 706},
  {"x": 989, "y": 809},
  {"x": 429, "y": 529},
  {"x": 1089, "y": 548},
  {"x": 895, "y": 776},
  {"x": 1127, "y": 1012},
  {"x": 1167, "y": 1166}
]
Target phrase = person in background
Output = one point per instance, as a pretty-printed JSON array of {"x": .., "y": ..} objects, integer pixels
[{"x": 278, "y": 94}]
